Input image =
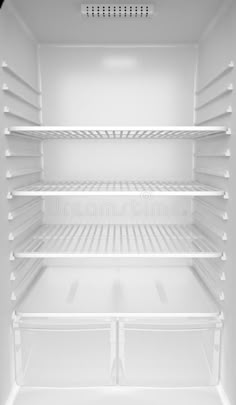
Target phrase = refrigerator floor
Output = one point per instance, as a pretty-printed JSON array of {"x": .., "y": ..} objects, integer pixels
[{"x": 118, "y": 396}]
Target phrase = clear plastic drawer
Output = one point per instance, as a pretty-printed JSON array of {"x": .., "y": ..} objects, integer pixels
[
  {"x": 170, "y": 355},
  {"x": 141, "y": 352},
  {"x": 52, "y": 353}
]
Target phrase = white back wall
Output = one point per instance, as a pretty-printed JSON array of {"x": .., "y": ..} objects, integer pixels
[
  {"x": 118, "y": 86},
  {"x": 118, "y": 160}
]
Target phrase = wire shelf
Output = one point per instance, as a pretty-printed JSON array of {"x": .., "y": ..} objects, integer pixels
[
  {"x": 118, "y": 188},
  {"x": 189, "y": 132},
  {"x": 70, "y": 241}
]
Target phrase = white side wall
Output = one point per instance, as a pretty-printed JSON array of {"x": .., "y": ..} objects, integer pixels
[
  {"x": 20, "y": 52},
  {"x": 114, "y": 85},
  {"x": 215, "y": 52}
]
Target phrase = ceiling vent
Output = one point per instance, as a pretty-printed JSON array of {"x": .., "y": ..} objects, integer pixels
[{"x": 117, "y": 10}]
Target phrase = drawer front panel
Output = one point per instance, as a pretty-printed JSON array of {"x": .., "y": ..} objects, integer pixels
[
  {"x": 64, "y": 357},
  {"x": 169, "y": 357}
]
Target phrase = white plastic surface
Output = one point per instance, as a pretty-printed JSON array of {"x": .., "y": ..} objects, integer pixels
[
  {"x": 118, "y": 396},
  {"x": 63, "y": 20},
  {"x": 165, "y": 291},
  {"x": 91, "y": 82}
]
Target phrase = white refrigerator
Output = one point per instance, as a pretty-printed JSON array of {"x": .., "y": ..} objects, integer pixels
[{"x": 117, "y": 213}]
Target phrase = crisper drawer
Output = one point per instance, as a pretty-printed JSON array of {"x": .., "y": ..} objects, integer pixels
[
  {"x": 63, "y": 353},
  {"x": 170, "y": 355}
]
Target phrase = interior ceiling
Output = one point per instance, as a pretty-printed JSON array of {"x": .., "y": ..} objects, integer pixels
[{"x": 61, "y": 22}]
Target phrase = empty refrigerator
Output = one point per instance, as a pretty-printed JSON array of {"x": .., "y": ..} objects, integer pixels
[{"x": 117, "y": 216}]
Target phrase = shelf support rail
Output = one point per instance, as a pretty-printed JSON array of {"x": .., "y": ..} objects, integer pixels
[
  {"x": 27, "y": 226},
  {"x": 19, "y": 116},
  {"x": 201, "y": 220},
  {"x": 19, "y": 97},
  {"x": 222, "y": 114},
  {"x": 227, "y": 69},
  {"x": 212, "y": 286},
  {"x": 228, "y": 90},
  {"x": 33, "y": 205},
  {"x": 13, "y": 73},
  {"x": 223, "y": 215}
]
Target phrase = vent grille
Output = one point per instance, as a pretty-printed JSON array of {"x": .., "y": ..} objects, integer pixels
[{"x": 117, "y": 10}]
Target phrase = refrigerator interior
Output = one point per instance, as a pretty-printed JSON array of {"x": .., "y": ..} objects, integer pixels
[{"x": 117, "y": 221}]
